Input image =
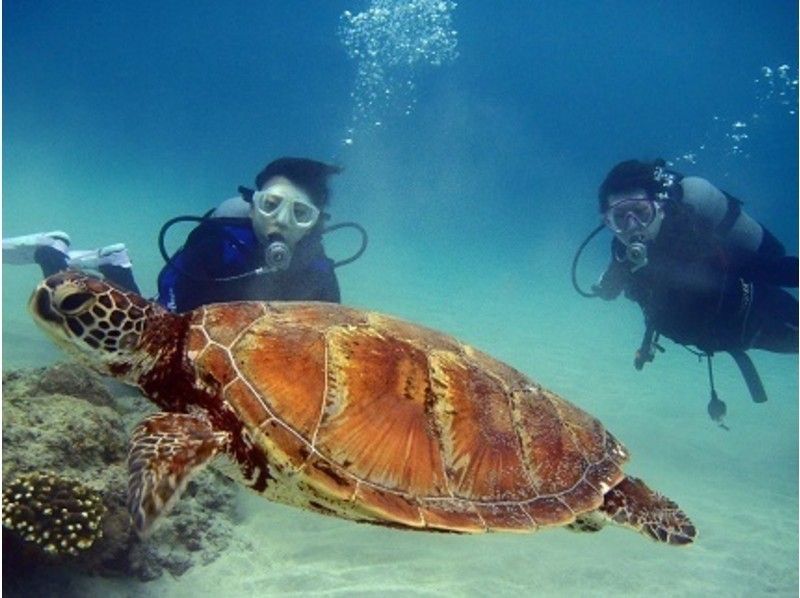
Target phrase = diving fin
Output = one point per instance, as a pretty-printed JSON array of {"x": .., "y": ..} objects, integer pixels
[{"x": 750, "y": 375}]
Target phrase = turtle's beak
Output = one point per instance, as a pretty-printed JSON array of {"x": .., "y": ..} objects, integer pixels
[
  {"x": 46, "y": 308},
  {"x": 41, "y": 306}
]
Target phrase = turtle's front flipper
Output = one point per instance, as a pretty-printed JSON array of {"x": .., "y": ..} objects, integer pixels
[
  {"x": 632, "y": 504},
  {"x": 166, "y": 450}
]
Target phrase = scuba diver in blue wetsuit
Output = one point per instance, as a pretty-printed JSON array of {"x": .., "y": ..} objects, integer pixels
[
  {"x": 703, "y": 272},
  {"x": 265, "y": 244}
]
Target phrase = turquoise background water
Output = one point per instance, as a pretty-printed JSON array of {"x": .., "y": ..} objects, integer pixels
[{"x": 118, "y": 116}]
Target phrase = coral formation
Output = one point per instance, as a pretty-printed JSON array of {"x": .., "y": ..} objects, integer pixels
[
  {"x": 64, "y": 418},
  {"x": 61, "y": 515}
]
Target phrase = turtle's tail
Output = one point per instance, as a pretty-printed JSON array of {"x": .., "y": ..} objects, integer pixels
[{"x": 633, "y": 504}]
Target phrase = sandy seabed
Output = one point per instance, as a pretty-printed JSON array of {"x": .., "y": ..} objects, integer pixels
[{"x": 738, "y": 486}]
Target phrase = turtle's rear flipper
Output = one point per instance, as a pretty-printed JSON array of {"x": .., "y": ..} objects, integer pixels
[
  {"x": 166, "y": 450},
  {"x": 632, "y": 504}
]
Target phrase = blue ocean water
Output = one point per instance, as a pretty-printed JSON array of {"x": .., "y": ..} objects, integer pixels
[{"x": 476, "y": 179}]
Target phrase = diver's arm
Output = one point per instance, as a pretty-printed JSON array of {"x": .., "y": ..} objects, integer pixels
[
  {"x": 612, "y": 282},
  {"x": 646, "y": 351}
]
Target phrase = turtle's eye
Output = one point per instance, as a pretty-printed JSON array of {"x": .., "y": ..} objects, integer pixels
[{"x": 76, "y": 303}]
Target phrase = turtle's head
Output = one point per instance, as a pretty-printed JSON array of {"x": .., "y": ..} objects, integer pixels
[{"x": 98, "y": 323}]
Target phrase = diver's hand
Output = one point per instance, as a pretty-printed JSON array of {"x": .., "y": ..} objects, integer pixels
[
  {"x": 643, "y": 355},
  {"x": 604, "y": 292}
]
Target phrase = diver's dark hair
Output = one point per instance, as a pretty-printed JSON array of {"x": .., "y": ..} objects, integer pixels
[
  {"x": 627, "y": 176},
  {"x": 310, "y": 175}
]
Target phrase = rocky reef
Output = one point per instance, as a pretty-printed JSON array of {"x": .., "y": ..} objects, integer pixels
[{"x": 64, "y": 448}]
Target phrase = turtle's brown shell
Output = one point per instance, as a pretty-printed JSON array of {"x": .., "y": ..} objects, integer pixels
[{"x": 374, "y": 419}]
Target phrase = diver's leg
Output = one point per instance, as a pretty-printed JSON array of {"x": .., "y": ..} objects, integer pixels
[
  {"x": 50, "y": 260},
  {"x": 111, "y": 261},
  {"x": 771, "y": 265},
  {"x": 773, "y": 320},
  {"x": 47, "y": 250},
  {"x": 121, "y": 276},
  {"x": 786, "y": 270}
]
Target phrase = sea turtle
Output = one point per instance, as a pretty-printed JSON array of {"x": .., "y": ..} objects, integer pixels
[{"x": 348, "y": 413}]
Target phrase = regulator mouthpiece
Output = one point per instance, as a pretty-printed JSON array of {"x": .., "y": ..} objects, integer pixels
[
  {"x": 636, "y": 254},
  {"x": 277, "y": 255}
]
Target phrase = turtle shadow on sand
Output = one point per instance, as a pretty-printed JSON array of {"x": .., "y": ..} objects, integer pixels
[{"x": 64, "y": 423}]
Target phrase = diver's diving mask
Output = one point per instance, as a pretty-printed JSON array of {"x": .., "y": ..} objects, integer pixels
[
  {"x": 634, "y": 216},
  {"x": 281, "y": 214},
  {"x": 285, "y": 210},
  {"x": 636, "y": 220}
]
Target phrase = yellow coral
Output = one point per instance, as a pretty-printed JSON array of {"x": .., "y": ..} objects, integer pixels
[{"x": 61, "y": 515}]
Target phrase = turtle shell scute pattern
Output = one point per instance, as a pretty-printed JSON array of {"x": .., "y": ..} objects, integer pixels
[{"x": 379, "y": 420}]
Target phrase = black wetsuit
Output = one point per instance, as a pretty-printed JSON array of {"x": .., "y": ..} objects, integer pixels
[
  {"x": 699, "y": 289},
  {"x": 209, "y": 269}
]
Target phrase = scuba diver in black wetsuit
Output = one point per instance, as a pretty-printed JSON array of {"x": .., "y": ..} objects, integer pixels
[
  {"x": 702, "y": 270},
  {"x": 264, "y": 245}
]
